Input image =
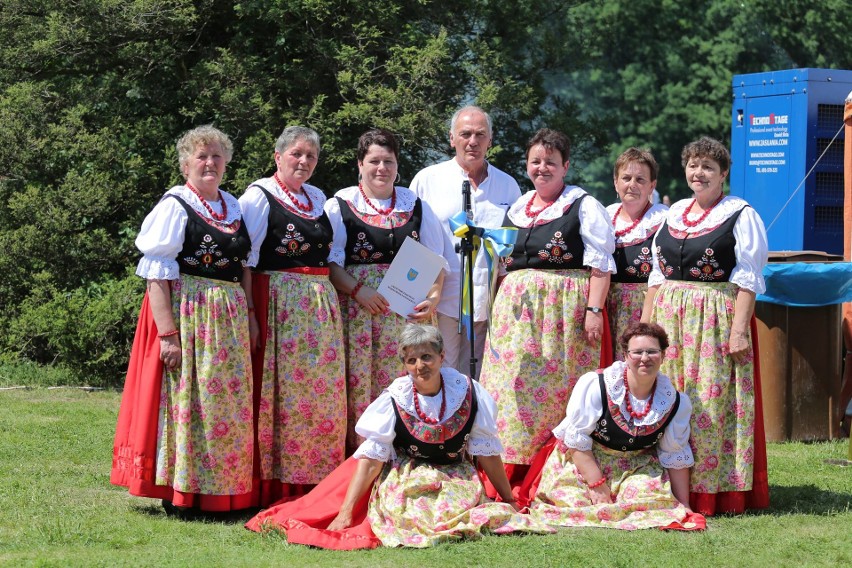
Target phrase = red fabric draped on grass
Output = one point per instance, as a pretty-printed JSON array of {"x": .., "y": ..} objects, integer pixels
[{"x": 305, "y": 520}]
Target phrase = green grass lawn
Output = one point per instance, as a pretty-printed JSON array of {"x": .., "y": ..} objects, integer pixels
[{"x": 57, "y": 508}]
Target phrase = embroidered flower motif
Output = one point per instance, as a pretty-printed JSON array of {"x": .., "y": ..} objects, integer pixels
[
  {"x": 707, "y": 269},
  {"x": 665, "y": 267},
  {"x": 292, "y": 243},
  {"x": 641, "y": 267},
  {"x": 556, "y": 251},
  {"x": 364, "y": 251},
  {"x": 208, "y": 256}
]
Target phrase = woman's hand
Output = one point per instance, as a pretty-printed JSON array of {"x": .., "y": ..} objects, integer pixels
[
  {"x": 423, "y": 311},
  {"x": 600, "y": 495},
  {"x": 372, "y": 301},
  {"x": 593, "y": 325},
  {"x": 738, "y": 346},
  {"x": 170, "y": 353}
]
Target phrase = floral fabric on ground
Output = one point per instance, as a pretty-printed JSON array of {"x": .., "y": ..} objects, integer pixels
[
  {"x": 417, "y": 504},
  {"x": 640, "y": 486}
]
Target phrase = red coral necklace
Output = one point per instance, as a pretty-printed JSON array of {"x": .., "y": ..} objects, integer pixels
[
  {"x": 533, "y": 215},
  {"x": 698, "y": 221},
  {"x": 217, "y": 216},
  {"x": 623, "y": 232},
  {"x": 422, "y": 414},
  {"x": 633, "y": 413},
  {"x": 384, "y": 212},
  {"x": 306, "y": 208}
]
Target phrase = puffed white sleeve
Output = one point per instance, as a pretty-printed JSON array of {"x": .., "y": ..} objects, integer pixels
[
  {"x": 673, "y": 449},
  {"x": 483, "y": 434},
  {"x": 376, "y": 425},
  {"x": 160, "y": 240},
  {"x": 255, "y": 209},
  {"x": 751, "y": 250},
  {"x": 598, "y": 237},
  {"x": 656, "y": 277},
  {"x": 583, "y": 410},
  {"x": 337, "y": 254}
]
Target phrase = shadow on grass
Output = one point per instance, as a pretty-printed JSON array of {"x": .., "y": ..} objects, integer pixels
[
  {"x": 195, "y": 516},
  {"x": 805, "y": 499}
]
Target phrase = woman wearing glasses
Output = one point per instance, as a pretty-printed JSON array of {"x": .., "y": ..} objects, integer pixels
[{"x": 621, "y": 457}]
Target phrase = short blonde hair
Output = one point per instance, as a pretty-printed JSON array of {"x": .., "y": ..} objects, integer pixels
[{"x": 200, "y": 135}]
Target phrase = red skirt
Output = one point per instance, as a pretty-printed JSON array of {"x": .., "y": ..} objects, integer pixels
[
  {"x": 305, "y": 520},
  {"x": 134, "y": 453}
]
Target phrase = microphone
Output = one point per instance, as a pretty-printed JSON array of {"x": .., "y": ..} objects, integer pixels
[{"x": 466, "y": 200}]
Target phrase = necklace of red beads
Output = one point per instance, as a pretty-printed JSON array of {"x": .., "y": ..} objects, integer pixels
[
  {"x": 217, "y": 216},
  {"x": 633, "y": 225},
  {"x": 422, "y": 414},
  {"x": 534, "y": 215},
  {"x": 304, "y": 208},
  {"x": 698, "y": 221},
  {"x": 633, "y": 413},
  {"x": 383, "y": 212}
]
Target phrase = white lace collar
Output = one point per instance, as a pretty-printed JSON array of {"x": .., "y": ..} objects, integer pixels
[
  {"x": 664, "y": 394},
  {"x": 405, "y": 199},
  {"x": 518, "y": 211},
  {"x": 720, "y": 213},
  {"x": 193, "y": 201},
  {"x": 315, "y": 193},
  {"x": 650, "y": 222},
  {"x": 455, "y": 386}
]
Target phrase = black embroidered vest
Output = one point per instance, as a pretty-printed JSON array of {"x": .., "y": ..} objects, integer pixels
[
  {"x": 293, "y": 241},
  {"x": 440, "y": 444},
  {"x": 366, "y": 244},
  {"x": 613, "y": 431},
  {"x": 556, "y": 245},
  {"x": 708, "y": 257},
  {"x": 210, "y": 252},
  {"x": 633, "y": 261}
]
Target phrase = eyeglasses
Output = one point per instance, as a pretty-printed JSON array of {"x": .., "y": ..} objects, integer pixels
[{"x": 639, "y": 353}]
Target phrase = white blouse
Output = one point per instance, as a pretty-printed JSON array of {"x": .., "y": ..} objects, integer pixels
[
  {"x": 585, "y": 408},
  {"x": 751, "y": 250},
  {"x": 256, "y": 212},
  {"x": 379, "y": 420},
  {"x": 431, "y": 232},
  {"x": 595, "y": 225},
  {"x": 161, "y": 237},
  {"x": 650, "y": 222}
]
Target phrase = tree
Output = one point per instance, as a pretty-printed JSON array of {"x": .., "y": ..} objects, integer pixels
[{"x": 93, "y": 94}]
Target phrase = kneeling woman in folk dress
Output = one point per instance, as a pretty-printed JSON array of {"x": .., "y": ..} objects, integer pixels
[
  {"x": 621, "y": 457},
  {"x": 410, "y": 484}
]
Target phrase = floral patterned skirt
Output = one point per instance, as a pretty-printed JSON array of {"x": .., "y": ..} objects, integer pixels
[
  {"x": 624, "y": 307},
  {"x": 697, "y": 318},
  {"x": 534, "y": 355},
  {"x": 301, "y": 429},
  {"x": 417, "y": 504},
  {"x": 205, "y": 437},
  {"x": 372, "y": 350},
  {"x": 642, "y": 495}
]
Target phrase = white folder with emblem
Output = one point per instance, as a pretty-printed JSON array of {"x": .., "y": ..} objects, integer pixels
[{"x": 410, "y": 276}]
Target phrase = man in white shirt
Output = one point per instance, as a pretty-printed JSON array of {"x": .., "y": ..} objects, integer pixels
[{"x": 492, "y": 192}]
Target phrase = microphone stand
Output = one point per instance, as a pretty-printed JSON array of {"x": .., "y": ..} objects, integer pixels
[{"x": 465, "y": 249}]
